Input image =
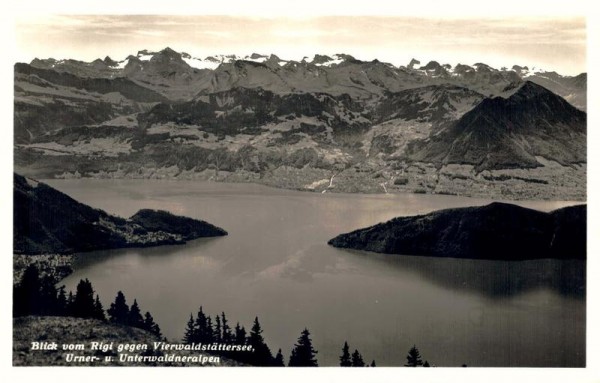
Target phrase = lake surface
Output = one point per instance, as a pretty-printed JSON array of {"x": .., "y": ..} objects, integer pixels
[{"x": 276, "y": 264}]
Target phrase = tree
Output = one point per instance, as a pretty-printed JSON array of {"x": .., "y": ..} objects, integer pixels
[
  {"x": 150, "y": 325},
  {"x": 209, "y": 335},
  {"x": 61, "y": 301},
  {"x": 98, "y": 309},
  {"x": 48, "y": 304},
  {"x": 345, "y": 360},
  {"x": 26, "y": 295},
  {"x": 83, "y": 305},
  {"x": 413, "y": 359},
  {"x": 426, "y": 364},
  {"x": 70, "y": 300},
  {"x": 190, "y": 335},
  {"x": 134, "y": 317},
  {"x": 303, "y": 353},
  {"x": 278, "y": 361},
  {"x": 373, "y": 363},
  {"x": 119, "y": 310},
  {"x": 261, "y": 355},
  {"x": 357, "y": 359},
  {"x": 203, "y": 332},
  {"x": 240, "y": 334},
  {"x": 226, "y": 336},
  {"x": 217, "y": 332}
]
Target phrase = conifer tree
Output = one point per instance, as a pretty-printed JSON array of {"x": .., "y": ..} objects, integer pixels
[
  {"x": 240, "y": 334},
  {"x": 134, "y": 317},
  {"x": 413, "y": 359},
  {"x": 278, "y": 361},
  {"x": 210, "y": 331},
  {"x": 373, "y": 363},
  {"x": 303, "y": 354},
  {"x": 226, "y": 336},
  {"x": 261, "y": 356},
  {"x": 83, "y": 305},
  {"x": 48, "y": 296},
  {"x": 203, "y": 330},
  {"x": 70, "y": 301},
  {"x": 190, "y": 335},
  {"x": 119, "y": 310},
  {"x": 26, "y": 295},
  {"x": 345, "y": 360},
  {"x": 61, "y": 302},
  {"x": 357, "y": 360},
  {"x": 217, "y": 331},
  {"x": 98, "y": 309},
  {"x": 150, "y": 325},
  {"x": 426, "y": 364}
]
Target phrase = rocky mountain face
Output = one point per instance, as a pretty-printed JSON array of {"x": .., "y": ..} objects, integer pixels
[
  {"x": 330, "y": 123},
  {"x": 496, "y": 231},
  {"x": 511, "y": 132},
  {"x": 48, "y": 221}
]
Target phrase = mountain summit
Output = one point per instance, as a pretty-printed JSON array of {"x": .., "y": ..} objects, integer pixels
[{"x": 511, "y": 132}]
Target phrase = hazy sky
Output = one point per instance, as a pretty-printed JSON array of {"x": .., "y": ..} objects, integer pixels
[{"x": 551, "y": 43}]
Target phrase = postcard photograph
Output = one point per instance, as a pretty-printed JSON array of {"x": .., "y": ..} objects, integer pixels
[{"x": 299, "y": 191}]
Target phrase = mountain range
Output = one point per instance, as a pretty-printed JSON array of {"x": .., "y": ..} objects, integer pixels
[{"x": 330, "y": 123}]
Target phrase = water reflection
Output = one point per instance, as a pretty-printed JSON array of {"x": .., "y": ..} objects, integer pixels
[{"x": 496, "y": 279}]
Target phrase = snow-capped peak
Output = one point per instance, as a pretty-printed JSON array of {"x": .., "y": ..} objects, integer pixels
[{"x": 327, "y": 61}]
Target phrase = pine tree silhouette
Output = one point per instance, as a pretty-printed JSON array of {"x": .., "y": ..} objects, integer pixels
[
  {"x": 345, "y": 360},
  {"x": 70, "y": 301},
  {"x": 210, "y": 331},
  {"x": 373, "y": 363},
  {"x": 278, "y": 361},
  {"x": 357, "y": 360},
  {"x": 413, "y": 359},
  {"x": 303, "y": 353},
  {"x": 98, "y": 309},
  {"x": 83, "y": 305},
  {"x": 119, "y": 310},
  {"x": 203, "y": 333},
  {"x": 240, "y": 334},
  {"x": 261, "y": 356},
  {"x": 61, "y": 302},
  {"x": 217, "y": 332},
  {"x": 226, "y": 336},
  {"x": 134, "y": 317},
  {"x": 26, "y": 295},
  {"x": 190, "y": 335},
  {"x": 426, "y": 364},
  {"x": 150, "y": 325},
  {"x": 48, "y": 304}
]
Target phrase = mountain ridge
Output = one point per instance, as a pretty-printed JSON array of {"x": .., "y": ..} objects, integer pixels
[
  {"x": 48, "y": 221},
  {"x": 327, "y": 123},
  {"x": 498, "y": 231}
]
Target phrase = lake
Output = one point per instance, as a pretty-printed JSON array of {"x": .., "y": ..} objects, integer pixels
[{"x": 276, "y": 264}]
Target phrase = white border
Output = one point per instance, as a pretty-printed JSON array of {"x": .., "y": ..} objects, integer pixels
[{"x": 303, "y": 8}]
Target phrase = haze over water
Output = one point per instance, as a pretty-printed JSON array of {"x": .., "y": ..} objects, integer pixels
[{"x": 276, "y": 264}]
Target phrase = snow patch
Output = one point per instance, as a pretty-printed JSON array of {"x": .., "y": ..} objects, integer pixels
[{"x": 336, "y": 60}]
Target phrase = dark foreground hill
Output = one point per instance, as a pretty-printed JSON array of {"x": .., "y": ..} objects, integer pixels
[
  {"x": 495, "y": 231},
  {"x": 48, "y": 221}
]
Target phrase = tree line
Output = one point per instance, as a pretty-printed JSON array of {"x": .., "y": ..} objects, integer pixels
[
  {"x": 38, "y": 295},
  {"x": 204, "y": 329}
]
